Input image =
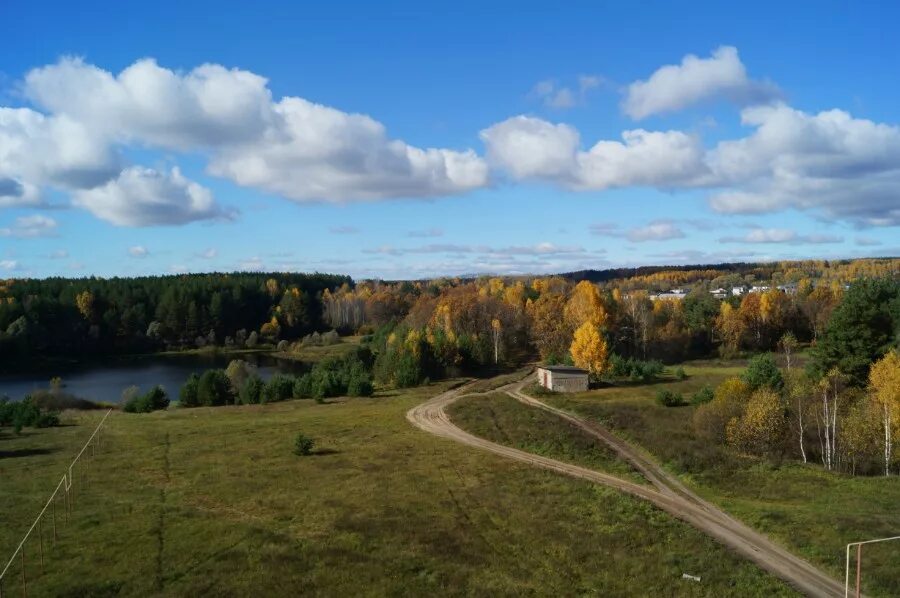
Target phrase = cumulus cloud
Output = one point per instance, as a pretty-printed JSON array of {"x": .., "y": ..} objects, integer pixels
[
  {"x": 659, "y": 230},
  {"x": 146, "y": 197},
  {"x": 782, "y": 235},
  {"x": 84, "y": 118},
  {"x": 844, "y": 167},
  {"x": 830, "y": 163},
  {"x": 11, "y": 265},
  {"x": 528, "y": 147},
  {"x": 30, "y": 227},
  {"x": 138, "y": 251},
  {"x": 676, "y": 86},
  {"x": 209, "y": 253}
]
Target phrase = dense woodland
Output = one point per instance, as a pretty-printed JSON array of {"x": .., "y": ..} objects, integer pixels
[{"x": 58, "y": 317}]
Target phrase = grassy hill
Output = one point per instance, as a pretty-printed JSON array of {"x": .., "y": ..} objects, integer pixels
[{"x": 212, "y": 501}]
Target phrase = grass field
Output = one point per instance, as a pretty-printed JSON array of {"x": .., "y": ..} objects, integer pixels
[
  {"x": 211, "y": 501},
  {"x": 813, "y": 512},
  {"x": 313, "y": 354},
  {"x": 502, "y": 419}
]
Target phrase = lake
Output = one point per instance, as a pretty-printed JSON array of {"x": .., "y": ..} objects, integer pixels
[{"x": 106, "y": 381}]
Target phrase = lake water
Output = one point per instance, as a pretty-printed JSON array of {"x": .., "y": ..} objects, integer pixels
[{"x": 105, "y": 382}]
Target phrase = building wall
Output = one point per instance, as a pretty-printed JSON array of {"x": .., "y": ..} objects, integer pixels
[{"x": 562, "y": 382}]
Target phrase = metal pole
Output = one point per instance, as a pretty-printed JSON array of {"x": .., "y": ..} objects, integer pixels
[
  {"x": 41, "y": 540},
  {"x": 858, "y": 566}
]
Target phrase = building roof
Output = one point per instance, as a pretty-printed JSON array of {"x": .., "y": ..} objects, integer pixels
[{"x": 564, "y": 369}]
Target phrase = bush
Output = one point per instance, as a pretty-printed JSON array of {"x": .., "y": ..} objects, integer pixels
[
  {"x": 252, "y": 389},
  {"x": 187, "y": 396},
  {"x": 680, "y": 374},
  {"x": 214, "y": 389},
  {"x": 634, "y": 370},
  {"x": 703, "y": 396},
  {"x": 667, "y": 398},
  {"x": 303, "y": 387},
  {"x": 26, "y": 413},
  {"x": 156, "y": 399},
  {"x": 763, "y": 372},
  {"x": 303, "y": 445},
  {"x": 278, "y": 388}
]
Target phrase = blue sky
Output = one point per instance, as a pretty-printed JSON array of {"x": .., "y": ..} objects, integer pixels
[{"x": 604, "y": 134}]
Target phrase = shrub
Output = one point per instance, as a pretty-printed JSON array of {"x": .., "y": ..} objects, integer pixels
[
  {"x": 214, "y": 389},
  {"x": 187, "y": 396},
  {"x": 26, "y": 413},
  {"x": 282, "y": 345},
  {"x": 303, "y": 387},
  {"x": 303, "y": 445},
  {"x": 680, "y": 374},
  {"x": 251, "y": 391},
  {"x": 763, "y": 372},
  {"x": 154, "y": 400},
  {"x": 360, "y": 386},
  {"x": 703, "y": 396},
  {"x": 278, "y": 388},
  {"x": 667, "y": 398},
  {"x": 634, "y": 369}
]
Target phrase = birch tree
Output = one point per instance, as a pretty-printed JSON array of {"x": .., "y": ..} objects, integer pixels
[{"x": 884, "y": 392}]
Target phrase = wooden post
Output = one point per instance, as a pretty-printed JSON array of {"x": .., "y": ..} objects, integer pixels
[{"x": 858, "y": 567}]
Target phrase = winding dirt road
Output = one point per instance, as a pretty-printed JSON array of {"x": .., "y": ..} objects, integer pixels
[{"x": 667, "y": 493}]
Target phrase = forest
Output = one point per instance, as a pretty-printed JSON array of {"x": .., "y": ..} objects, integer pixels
[{"x": 58, "y": 317}]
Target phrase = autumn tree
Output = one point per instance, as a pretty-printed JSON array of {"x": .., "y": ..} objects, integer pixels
[
  {"x": 884, "y": 393},
  {"x": 85, "y": 303},
  {"x": 550, "y": 332},
  {"x": 585, "y": 306},
  {"x": 759, "y": 429},
  {"x": 731, "y": 328},
  {"x": 711, "y": 419},
  {"x": 589, "y": 349}
]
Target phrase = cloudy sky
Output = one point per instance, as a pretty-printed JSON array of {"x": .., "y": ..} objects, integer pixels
[{"x": 397, "y": 140}]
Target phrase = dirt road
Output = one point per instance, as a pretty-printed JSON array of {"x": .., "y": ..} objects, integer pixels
[{"x": 667, "y": 493}]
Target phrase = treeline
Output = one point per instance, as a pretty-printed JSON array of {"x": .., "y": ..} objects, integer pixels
[
  {"x": 241, "y": 384},
  {"x": 77, "y": 317}
]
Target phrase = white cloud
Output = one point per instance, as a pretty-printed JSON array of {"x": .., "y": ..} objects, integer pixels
[
  {"x": 317, "y": 153},
  {"x": 540, "y": 249},
  {"x": 529, "y": 147},
  {"x": 30, "y": 227},
  {"x": 674, "y": 87},
  {"x": 209, "y": 253},
  {"x": 253, "y": 264},
  {"x": 10, "y": 265},
  {"x": 59, "y": 254},
  {"x": 146, "y": 197},
  {"x": 782, "y": 235},
  {"x": 844, "y": 167},
  {"x": 206, "y": 107},
  {"x": 426, "y": 233},
  {"x": 138, "y": 251},
  {"x": 660, "y": 230},
  {"x": 292, "y": 147}
]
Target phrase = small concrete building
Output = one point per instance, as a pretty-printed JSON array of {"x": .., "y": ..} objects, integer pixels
[{"x": 563, "y": 378}]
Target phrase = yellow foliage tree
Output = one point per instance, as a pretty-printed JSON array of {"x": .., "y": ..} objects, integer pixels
[
  {"x": 761, "y": 427},
  {"x": 884, "y": 392},
  {"x": 731, "y": 328},
  {"x": 585, "y": 306},
  {"x": 85, "y": 303},
  {"x": 589, "y": 350}
]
